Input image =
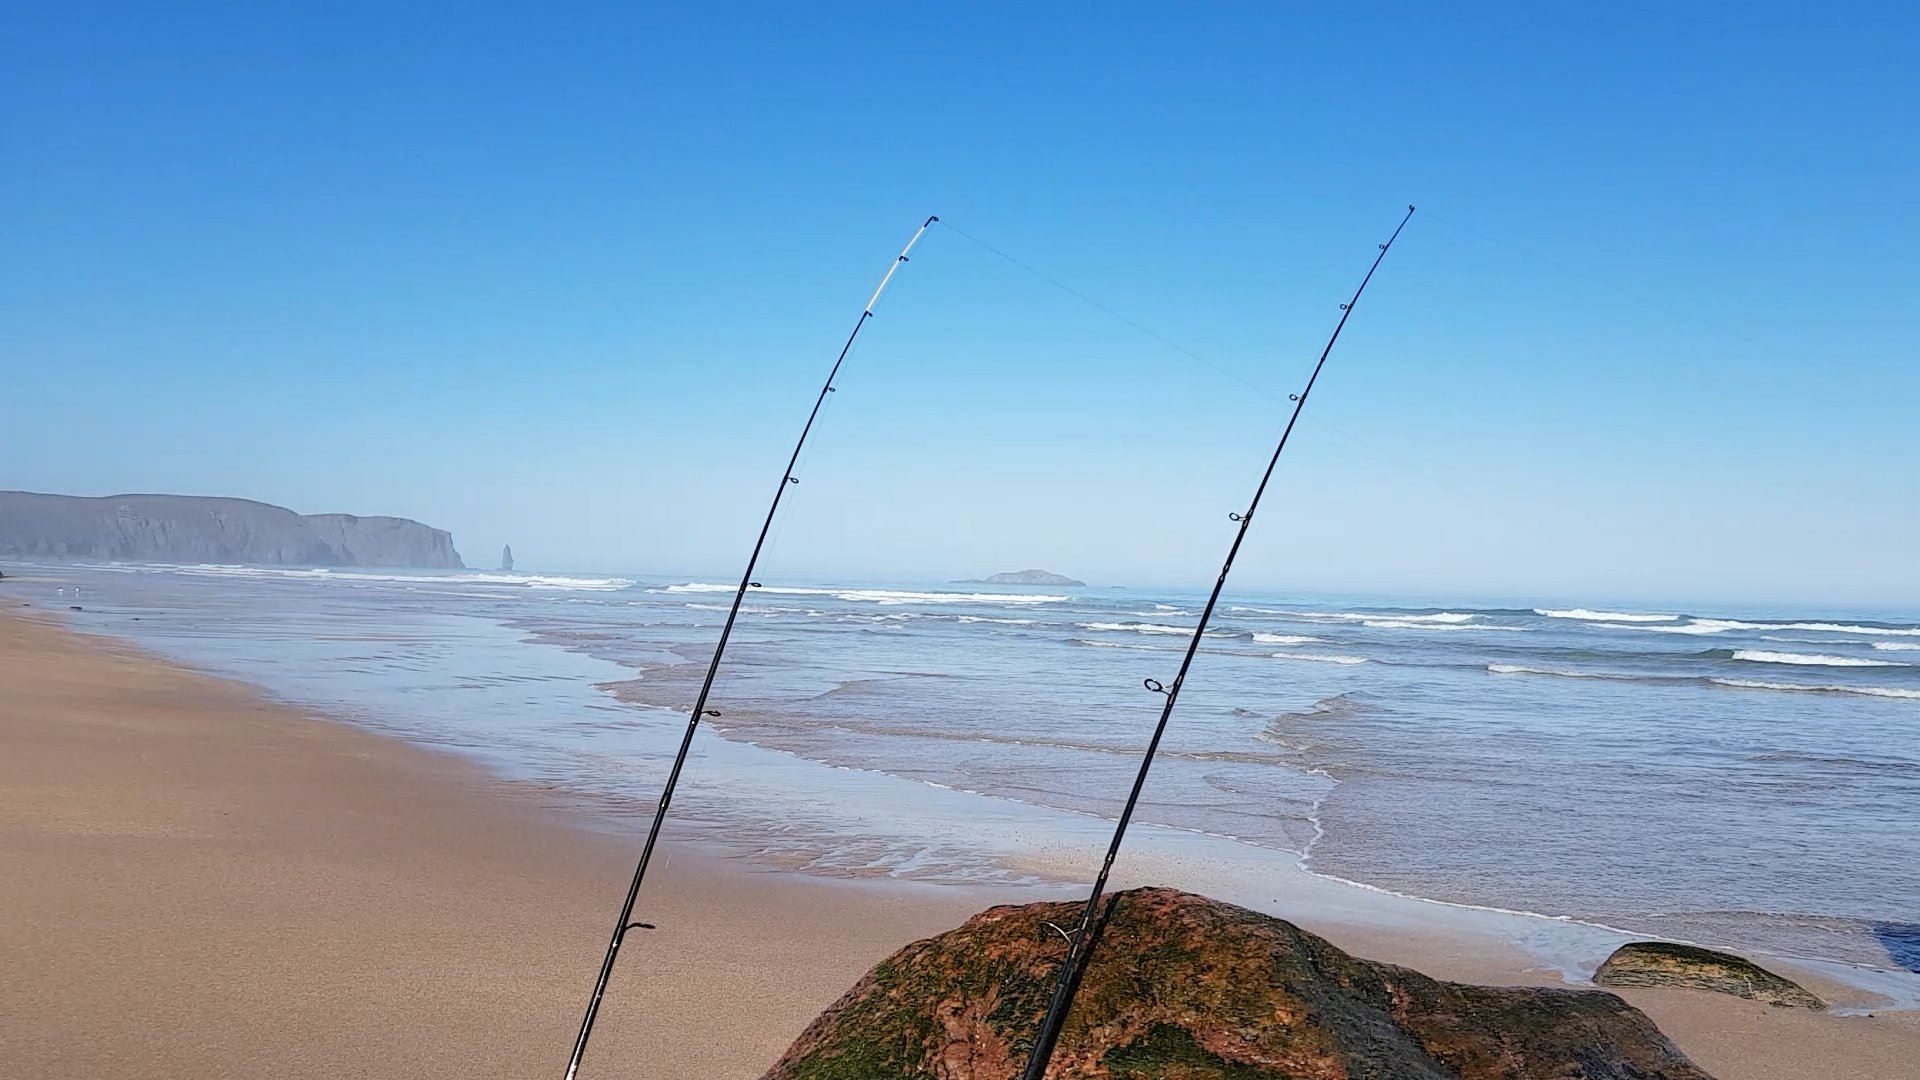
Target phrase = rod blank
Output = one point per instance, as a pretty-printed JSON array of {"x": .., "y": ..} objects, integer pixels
[
  {"x": 625, "y": 921},
  {"x": 1093, "y": 918}
]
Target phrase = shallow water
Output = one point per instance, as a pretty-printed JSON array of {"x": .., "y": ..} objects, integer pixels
[{"x": 1738, "y": 778}]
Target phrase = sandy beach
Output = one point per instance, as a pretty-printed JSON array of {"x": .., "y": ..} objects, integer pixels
[{"x": 200, "y": 882}]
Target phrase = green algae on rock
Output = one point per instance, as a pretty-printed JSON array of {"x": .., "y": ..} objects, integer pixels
[
  {"x": 1662, "y": 963},
  {"x": 1187, "y": 988}
]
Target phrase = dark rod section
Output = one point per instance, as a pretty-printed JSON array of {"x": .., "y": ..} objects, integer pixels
[
  {"x": 625, "y": 922},
  {"x": 1082, "y": 939}
]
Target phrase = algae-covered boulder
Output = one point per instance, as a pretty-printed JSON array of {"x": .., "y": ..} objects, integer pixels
[
  {"x": 1661, "y": 963},
  {"x": 1187, "y": 988}
]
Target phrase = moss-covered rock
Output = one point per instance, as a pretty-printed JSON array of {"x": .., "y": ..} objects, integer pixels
[
  {"x": 1186, "y": 988},
  {"x": 1662, "y": 963}
]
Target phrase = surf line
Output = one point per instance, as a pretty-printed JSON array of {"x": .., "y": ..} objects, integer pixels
[
  {"x": 626, "y": 922},
  {"x": 1085, "y": 935}
]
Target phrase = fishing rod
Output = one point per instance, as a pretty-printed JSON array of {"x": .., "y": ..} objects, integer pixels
[
  {"x": 625, "y": 922},
  {"x": 1093, "y": 918}
]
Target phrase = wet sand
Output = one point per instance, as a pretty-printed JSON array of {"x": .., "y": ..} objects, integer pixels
[{"x": 202, "y": 883}]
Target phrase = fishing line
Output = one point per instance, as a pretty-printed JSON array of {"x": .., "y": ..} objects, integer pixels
[
  {"x": 625, "y": 922},
  {"x": 1085, "y": 935},
  {"x": 1098, "y": 306},
  {"x": 1641, "y": 298}
]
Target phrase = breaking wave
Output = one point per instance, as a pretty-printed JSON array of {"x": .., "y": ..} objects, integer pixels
[
  {"x": 1320, "y": 659},
  {"x": 1522, "y": 669},
  {"x": 1896, "y": 646},
  {"x": 1139, "y": 628},
  {"x": 1285, "y": 639},
  {"x": 1417, "y": 624},
  {"x": 555, "y": 582},
  {"x": 877, "y": 596},
  {"x": 1866, "y": 691},
  {"x": 1804, "y": 659},
  {"x": 1602, "y": 616},
  {"x": 1741, "y": 684},
  {"x": 1437, "y": 617},
  {"x": 1820, "y": 627}
]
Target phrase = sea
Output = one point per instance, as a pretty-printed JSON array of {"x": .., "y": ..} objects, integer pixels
[{"x": 1741, "y": 778}]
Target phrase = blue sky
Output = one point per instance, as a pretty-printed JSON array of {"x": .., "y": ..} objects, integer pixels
[{"x": 569, "y": 277}]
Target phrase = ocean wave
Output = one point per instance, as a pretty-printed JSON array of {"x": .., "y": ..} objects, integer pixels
[
  {"x": 1285, "y": 639},
  {"x": 1429, "y": 618},
  {"x": 1339, "y": 707},
  {"x": 1148, "y": 628},
  {"x": 1602, "y": 616},
  {"x": 1319, "y": 659},
  {"x": 1818, "y": 627},
  {"x": 991, "y": 619},
  {"x": 554, "y": 582},
  {"x": 1558, "y": 673},
  {"x": 1866, "y": 691},
  {"x": 877, "y": 596},
  {"x": 1896, "y": 646},
  {"x": 1410, "y": 624},
  {"x": 1136, "y": 627},
  {"x": 1758, "y": 656},
  {"x": 1683, "y": 628}
]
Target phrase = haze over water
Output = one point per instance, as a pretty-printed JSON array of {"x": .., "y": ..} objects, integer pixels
[{"x": 1741, "y": 778}]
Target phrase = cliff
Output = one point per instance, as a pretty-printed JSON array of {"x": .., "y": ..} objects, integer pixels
[
  {"x": 1188, "y": 987},
  {"x": 195, "y": 529}
]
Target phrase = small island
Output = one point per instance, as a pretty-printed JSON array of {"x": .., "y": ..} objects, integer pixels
[{"x": 1022, "y": 577}]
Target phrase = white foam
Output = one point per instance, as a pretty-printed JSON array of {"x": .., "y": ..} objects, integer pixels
[
  {"x": 1808, "y": 659},
  {"x": 877, "y": 596},
  {"x": 1144, "y": 628},
  {"x": 1285, "y": 639},
  {"x": 1138, "y": 628},
  {"x": 990, "y": 619},
  {"x": 1683, "y": 628},
  {"x": 1521, "y": 669},
  {"x": 1318, "y": 659},
  {"x": 1446, "y": 617},
  {"x": 1896, "y": 646},
  {"x": 1819, "y": 627},
  {"x": 1603, "y": 616},
  {"x": 555, "y": 582},
  {"x": 1868, "y": 691},
  {"x": 1409, "y": 624}
]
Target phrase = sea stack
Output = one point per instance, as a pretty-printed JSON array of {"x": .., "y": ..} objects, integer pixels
[{"x": 506, "y": 557}]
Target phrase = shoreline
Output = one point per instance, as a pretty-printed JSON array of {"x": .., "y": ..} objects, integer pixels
[
  {"x": 527, "y": 697},
  {"x": 441, "y": 839},
  {"x": 205, "y": 883}
]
